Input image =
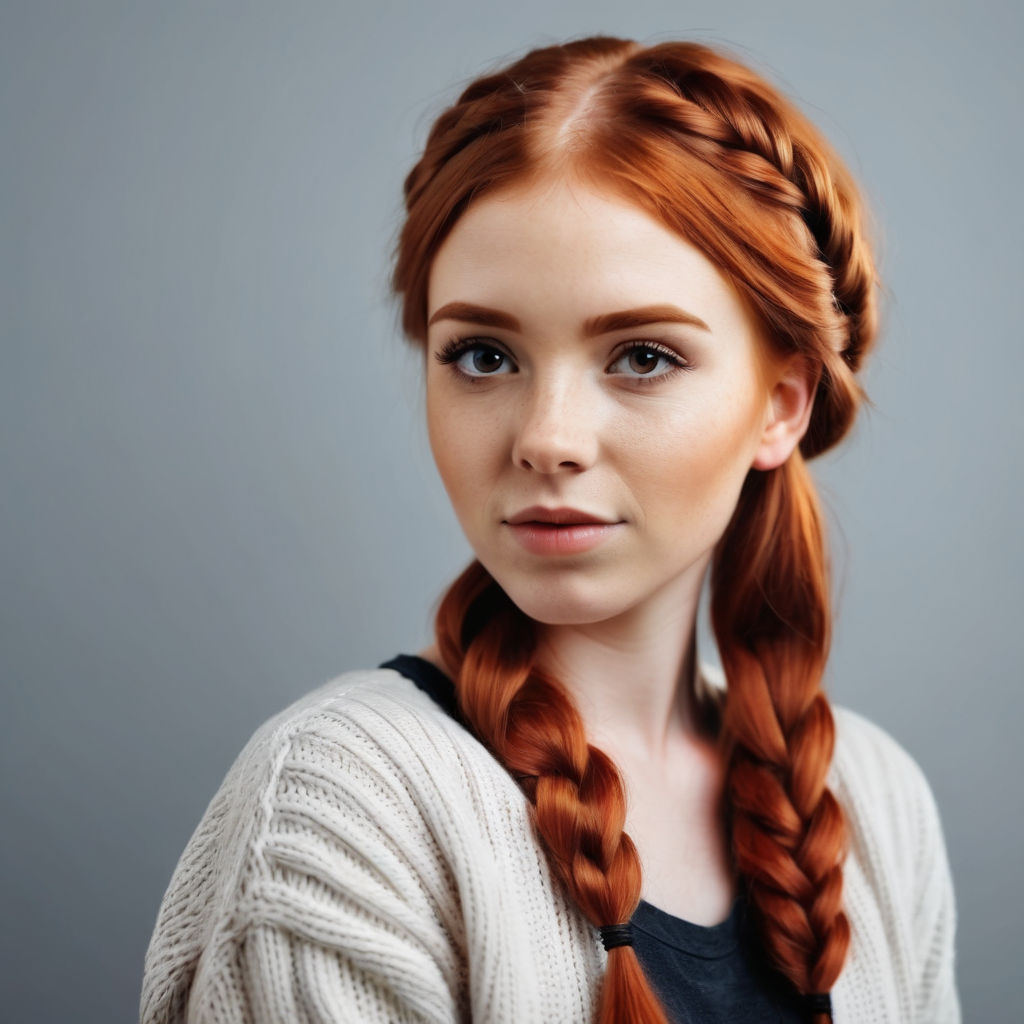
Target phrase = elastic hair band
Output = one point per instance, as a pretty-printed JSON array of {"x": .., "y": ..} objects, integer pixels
[
  {"x": 818, "y": 1002},
  {"x": 614, "y": 935}
]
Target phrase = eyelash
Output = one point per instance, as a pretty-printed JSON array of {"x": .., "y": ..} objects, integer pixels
[
  {"x": 677, "y": 363},
  {"x": 454, "y": 349}
]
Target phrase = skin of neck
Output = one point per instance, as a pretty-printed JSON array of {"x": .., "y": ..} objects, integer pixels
[{"x": 632, "y": 677}]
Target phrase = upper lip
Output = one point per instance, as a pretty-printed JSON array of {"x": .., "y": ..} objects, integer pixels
[{"x": 557, "y": 516}]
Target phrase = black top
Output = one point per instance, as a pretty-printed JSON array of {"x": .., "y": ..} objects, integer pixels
[{"x": 703, "y": 975}]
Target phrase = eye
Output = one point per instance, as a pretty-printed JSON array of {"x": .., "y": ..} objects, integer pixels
[
  {"x": 647, "y": 359},
  {"x": 475, "y": 357}
]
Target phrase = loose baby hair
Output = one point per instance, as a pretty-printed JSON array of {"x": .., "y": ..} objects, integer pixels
[{"x": 712, "y": 151}]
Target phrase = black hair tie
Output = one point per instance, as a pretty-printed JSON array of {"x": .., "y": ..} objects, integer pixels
[
  {"x": 614, "y": 935},
  {"x": 818, "y": 1002}
]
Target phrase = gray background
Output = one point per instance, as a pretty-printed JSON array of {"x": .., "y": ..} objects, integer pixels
[{"x": 215, "y": 490}]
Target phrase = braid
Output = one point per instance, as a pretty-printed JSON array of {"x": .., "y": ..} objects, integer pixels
[
  {"x": 743, "y": 114},
  {"x": 578, "y": 803},
  {"x": 770, "y": 614}
]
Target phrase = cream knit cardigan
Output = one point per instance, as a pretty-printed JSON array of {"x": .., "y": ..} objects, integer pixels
[{"x": 367, "y": 860}]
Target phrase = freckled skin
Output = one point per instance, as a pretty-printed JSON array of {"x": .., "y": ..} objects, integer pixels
[{"x": 663, "y": 455}]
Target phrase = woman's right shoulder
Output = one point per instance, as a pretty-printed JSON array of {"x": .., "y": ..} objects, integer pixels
[
  {"x": 340, "y": 809},
  {"x": 373, "y": 720},
  {"x": 361, "y": 695},
  {"x": 373, "y": 713},
  {"x": 368, "y": 737}
]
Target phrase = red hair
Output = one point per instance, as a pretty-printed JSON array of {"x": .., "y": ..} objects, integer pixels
[{"x": 716, "y": 154}]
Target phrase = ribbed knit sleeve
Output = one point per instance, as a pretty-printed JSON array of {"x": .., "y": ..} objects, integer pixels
[
  {"x": 364, "y": 861},
  {"x": 349, "y": 911},
  {"x": 934, "y": 920},
  {"x": 313, "y": 889},
  {"x": 898, "y": 889}
]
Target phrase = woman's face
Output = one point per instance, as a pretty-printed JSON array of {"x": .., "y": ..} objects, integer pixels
[{"x": 596, "y": 394}]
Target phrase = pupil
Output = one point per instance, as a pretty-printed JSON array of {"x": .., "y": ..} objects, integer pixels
[
  {"x": 643, "y": 359},
  {"x": 486, "y": 360}
]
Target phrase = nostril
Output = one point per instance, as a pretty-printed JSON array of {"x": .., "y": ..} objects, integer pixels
[
  {"x": 539, "y": 464},
  {"x": 550, "y": 439}
]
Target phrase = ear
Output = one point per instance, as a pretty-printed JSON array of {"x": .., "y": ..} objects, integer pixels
[{"x": 791, "y": 402}]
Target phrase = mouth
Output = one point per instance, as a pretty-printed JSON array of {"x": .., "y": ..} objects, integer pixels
[
  {"x": 560, "y": 531},
  {"x": 537, "y": 515}
]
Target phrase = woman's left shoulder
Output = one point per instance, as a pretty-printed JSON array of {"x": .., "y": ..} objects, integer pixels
[
  {"x": 877, "y": 779},
  {"x": 892, "y": 817},
  {"x": 898, "y": 890},
  {"x": 861, "y": 743}
]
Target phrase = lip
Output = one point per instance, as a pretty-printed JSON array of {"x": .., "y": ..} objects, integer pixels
[
  {"x": 556, "y": 517},
  {"x": 560, "y": 531}
]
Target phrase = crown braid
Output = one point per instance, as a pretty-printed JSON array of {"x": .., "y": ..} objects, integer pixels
[{"x": 767, "y": 153}]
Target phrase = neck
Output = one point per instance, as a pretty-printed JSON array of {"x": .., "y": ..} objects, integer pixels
[{"x": 632, "y": 678}]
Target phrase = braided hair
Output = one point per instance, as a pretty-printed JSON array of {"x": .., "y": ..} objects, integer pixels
[{"x": 711, "y": 150}]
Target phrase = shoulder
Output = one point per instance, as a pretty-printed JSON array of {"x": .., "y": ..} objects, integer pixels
[
  {"x": 363, "y": 731},
  {"x": 372, "y": 743},
  {"x": 366, "y": 853},
  {"x": 897, "y": 886},
  {"x": 379, "y": 701},
  {"x": 880, "y": 785},
  {"x": 339, "y": 820},
  {"x": 866, "y": 754},
  {"x": 892, "y": 817},
  {"x": 368, "y": 758},
  {"x": 372, "y": 728}
]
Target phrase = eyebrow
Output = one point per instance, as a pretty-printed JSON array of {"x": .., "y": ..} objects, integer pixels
[
  {"x": 605, "y": 323},
  {"x": 471, "y": 314}
]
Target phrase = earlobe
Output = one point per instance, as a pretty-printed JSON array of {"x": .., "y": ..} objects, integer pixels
[{"x": 792, "y": 399}]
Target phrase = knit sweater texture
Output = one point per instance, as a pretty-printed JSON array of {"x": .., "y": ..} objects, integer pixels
[{"x": 366, "y": 859}]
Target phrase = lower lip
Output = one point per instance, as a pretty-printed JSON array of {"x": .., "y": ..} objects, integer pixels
[{"x": 565, "y": 539}]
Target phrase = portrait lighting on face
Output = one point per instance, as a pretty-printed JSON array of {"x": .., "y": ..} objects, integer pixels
[{"x": 594, "y": 408}]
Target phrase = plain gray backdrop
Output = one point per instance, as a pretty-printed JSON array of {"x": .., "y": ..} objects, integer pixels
[{"x": 215, "y": 490}]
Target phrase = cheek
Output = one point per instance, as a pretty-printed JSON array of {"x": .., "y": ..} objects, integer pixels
[
  {"x": 698, "y": 461},
  {"x": 445, "y": 444},
  {"x": 463, "y": 444}
]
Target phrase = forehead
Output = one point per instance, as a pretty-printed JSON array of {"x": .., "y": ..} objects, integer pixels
[{"x": 568, "y": 249}]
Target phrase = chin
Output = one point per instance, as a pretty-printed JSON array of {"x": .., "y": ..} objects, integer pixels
[{"x": 562, "y": 601}]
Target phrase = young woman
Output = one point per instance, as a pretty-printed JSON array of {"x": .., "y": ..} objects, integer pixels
[{"x": 640, "y": 281}]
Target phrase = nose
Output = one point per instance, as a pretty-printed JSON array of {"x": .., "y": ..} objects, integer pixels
[{"x": 556, "y": 429}]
